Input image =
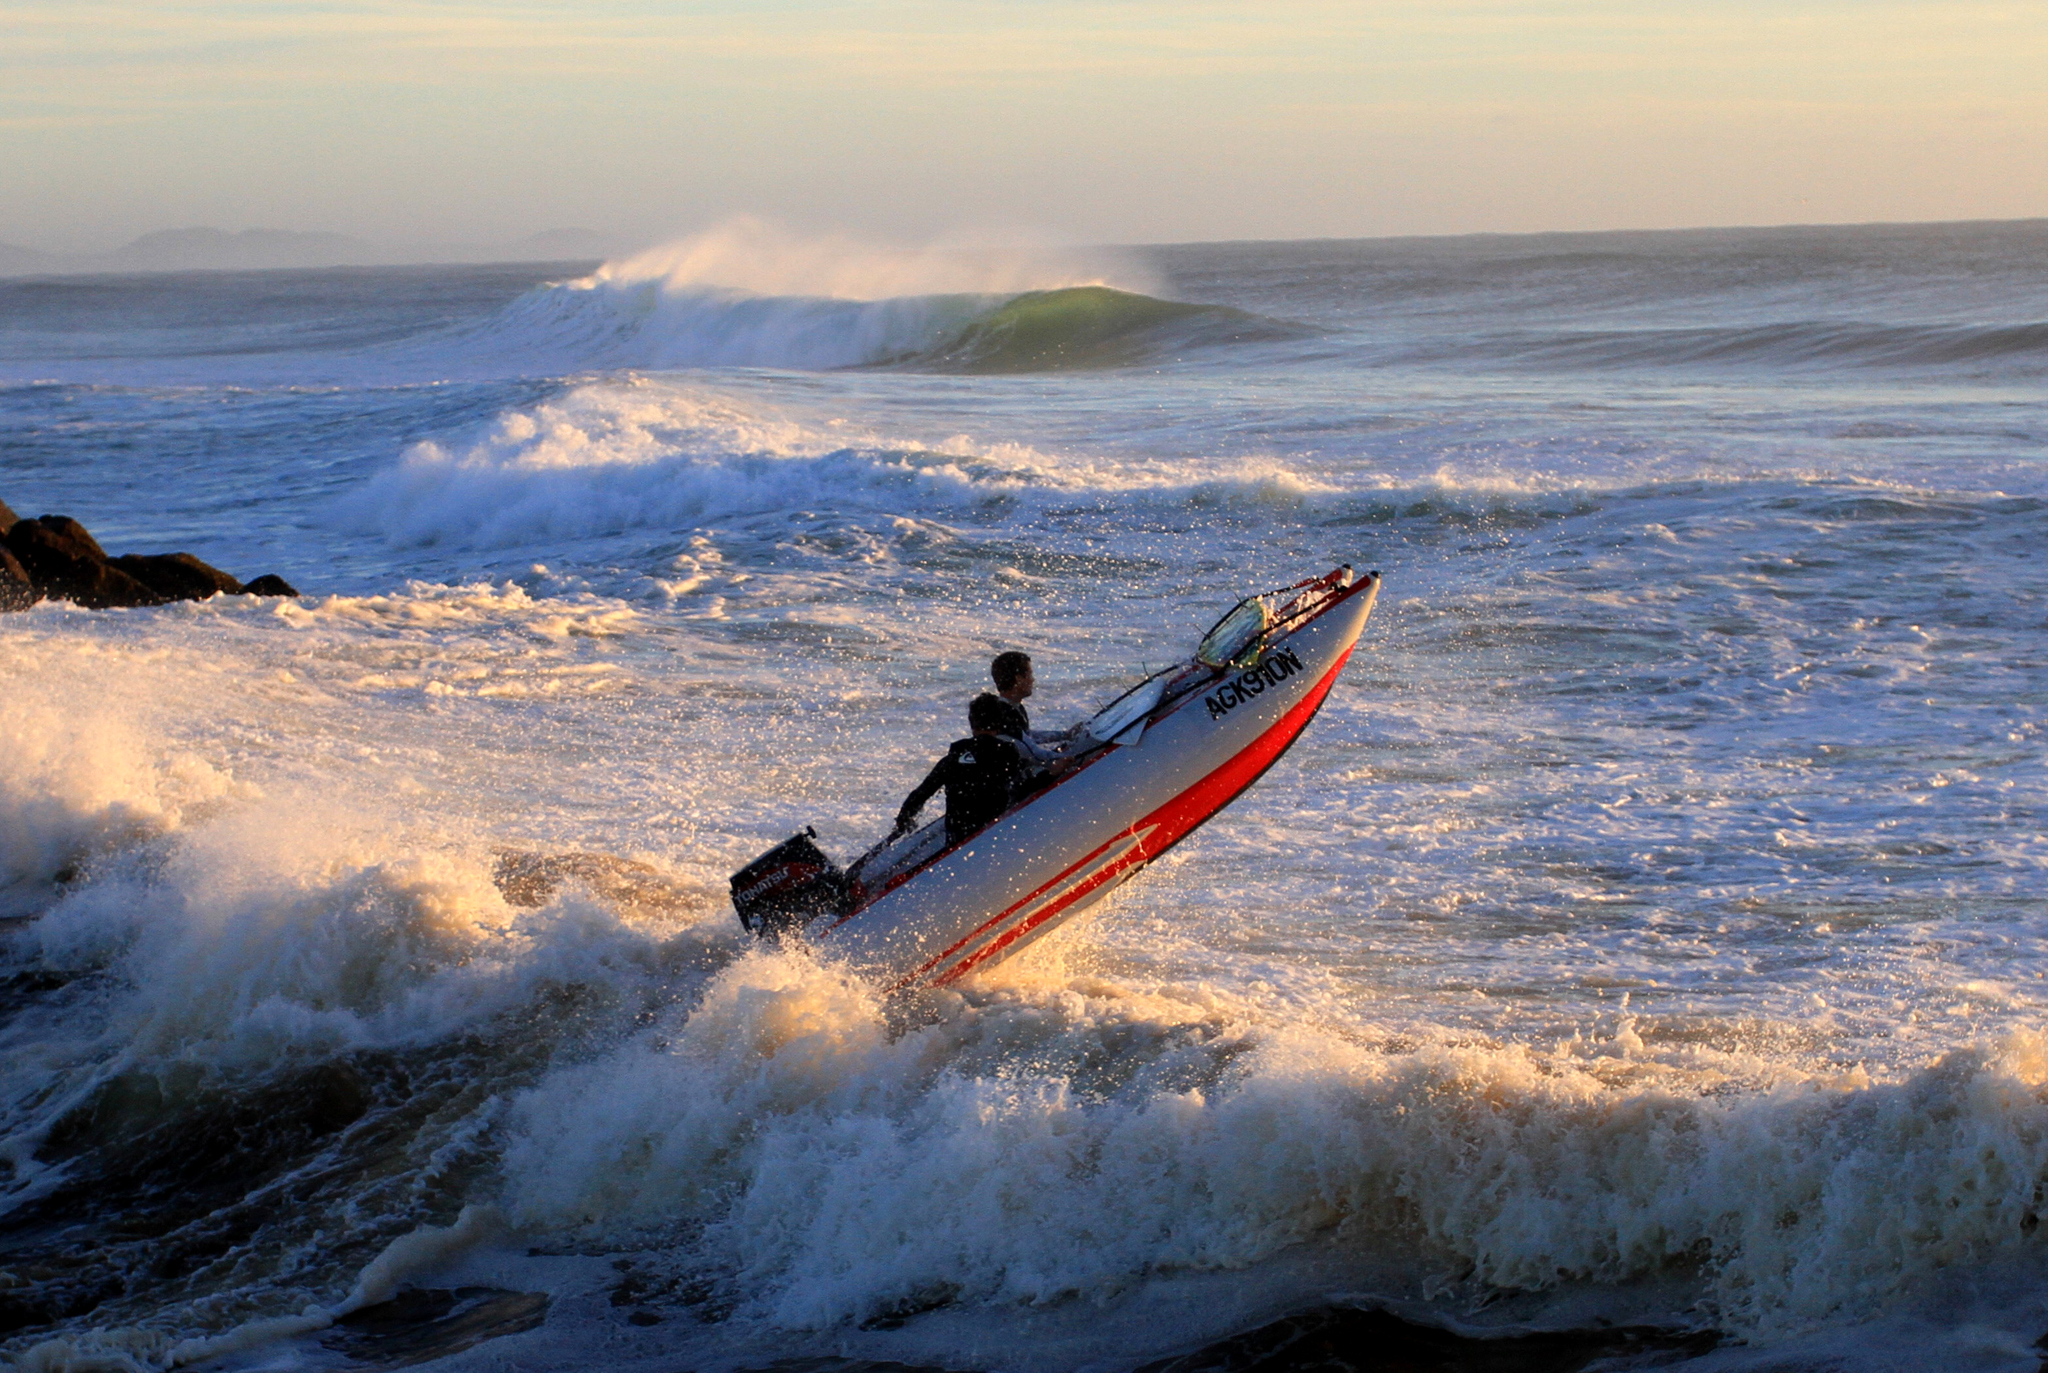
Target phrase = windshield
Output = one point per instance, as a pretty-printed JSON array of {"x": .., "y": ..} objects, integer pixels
[{"x": 1237, "y": 635}]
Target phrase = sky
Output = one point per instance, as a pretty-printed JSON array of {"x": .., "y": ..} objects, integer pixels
[{"x": 1114, "y": 121}]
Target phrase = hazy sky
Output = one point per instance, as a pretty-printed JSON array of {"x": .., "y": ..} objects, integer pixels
[{"x": 1126, "y": 120}]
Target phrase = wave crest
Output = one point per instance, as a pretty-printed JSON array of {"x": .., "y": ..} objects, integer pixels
[
  {"x": 752, "y": 296},
  {"x": 752, "y": 257}
]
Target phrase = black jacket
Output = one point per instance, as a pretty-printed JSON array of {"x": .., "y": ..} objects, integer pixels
[
  {"x": 980, "y": 775},
  {"x": 1016, "y": 721}
]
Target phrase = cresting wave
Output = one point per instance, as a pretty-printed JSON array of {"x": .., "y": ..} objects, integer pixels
[
  {"x": 656, "y": 454},
  {"x": 649, "y": 324},
  {"x": 650, "y": 453},
  {"x": 748, "y": 295}
]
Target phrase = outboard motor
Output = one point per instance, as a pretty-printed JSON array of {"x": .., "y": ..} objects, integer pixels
[{"x": 787, "y": 887}]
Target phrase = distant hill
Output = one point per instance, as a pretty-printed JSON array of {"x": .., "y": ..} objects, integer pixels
[
  {"x": 184, "y": 250},
  {"x": 208, "y": 249}
]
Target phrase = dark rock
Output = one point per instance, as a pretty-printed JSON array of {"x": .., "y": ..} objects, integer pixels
[
  {"x": 74, "y": 537},
  {"x": 55, "y": 556},
  {"x": 17, "y": 591},
  {"x": 65, "y": 563},
  {"x": 176, "y": 576},
  {"x": 99, "y": 587},
  {"x": 8, "y": 519}
]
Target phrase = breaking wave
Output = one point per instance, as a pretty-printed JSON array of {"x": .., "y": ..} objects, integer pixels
[
  {"x": 601, "y": 323},
  {"x": 651, "y": 453},
  {"x": 1091, "y": 326},
  {"x": 751, "y": 296}
]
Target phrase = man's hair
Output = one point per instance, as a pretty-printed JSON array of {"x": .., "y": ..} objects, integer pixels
[
  {"x": 986, "y": 711},
  {"x": 1008, "y": 667}
]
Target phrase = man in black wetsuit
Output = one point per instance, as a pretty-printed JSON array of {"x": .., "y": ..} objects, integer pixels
[
  {"x": 1014, "y": 682},
  {"x": 980, "y": 774}
]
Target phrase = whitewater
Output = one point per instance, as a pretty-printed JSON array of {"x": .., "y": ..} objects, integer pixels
[{"x": 1645, "y": 950}]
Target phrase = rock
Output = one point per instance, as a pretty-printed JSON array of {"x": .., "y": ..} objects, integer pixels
[
  {"x": 49, "y": 550},
  {"x": 57, "y": 557},
  {"x": 75, "y": 537},
  {"x": 17, "y": 592},
  {"x": 269, "y": 584},
  {"x": 176, "y": 576},
  {"x": 65, "y": 562},
  {"x": 97, "y": 586}
]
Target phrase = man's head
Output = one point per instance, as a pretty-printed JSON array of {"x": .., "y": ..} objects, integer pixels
[
  {"x": 985, "y": 714},
  {"x": 1012, "y": 672}
]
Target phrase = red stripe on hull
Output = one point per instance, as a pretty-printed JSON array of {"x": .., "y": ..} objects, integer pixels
[{"x": 1171, "y": 823}]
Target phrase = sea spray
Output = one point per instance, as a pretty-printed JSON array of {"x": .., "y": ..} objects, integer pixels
[
  {"x": 760, "y": 258},
  {"x": 834, "y": 1172}
]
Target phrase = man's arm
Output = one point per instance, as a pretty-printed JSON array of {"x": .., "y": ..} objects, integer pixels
[
  {"x": 906, "y": 818},
  {"x": 1035, "y": 747}
]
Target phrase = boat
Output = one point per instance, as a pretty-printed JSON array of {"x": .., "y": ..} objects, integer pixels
[{"x": 1140, "y": 776}]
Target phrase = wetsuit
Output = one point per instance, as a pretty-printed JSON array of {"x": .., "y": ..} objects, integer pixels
[
  {"x": 979, "y": 775},
  {"x": 1013, "y": 722}
]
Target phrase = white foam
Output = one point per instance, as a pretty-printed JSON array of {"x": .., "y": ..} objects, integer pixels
[
  {"x": 607, "y": 457},
  {"x": 80, "y": 773},
  {"x": 837, "y": 1169},
  {"x": 426, "y": 1248}
]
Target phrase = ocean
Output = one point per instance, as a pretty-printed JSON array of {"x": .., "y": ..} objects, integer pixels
[{"x": 1642, "y": 954}]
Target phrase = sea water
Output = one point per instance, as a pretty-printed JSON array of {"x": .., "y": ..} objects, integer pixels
[{"x": 1651, "y": 930}]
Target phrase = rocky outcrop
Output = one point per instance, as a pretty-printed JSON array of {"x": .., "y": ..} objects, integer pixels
[
  {"x": 270, "y": 584},
  {"x": 67, "y": 564},
  {"x": 177, "y": 576},
  {"x": 54, "y": 557}
]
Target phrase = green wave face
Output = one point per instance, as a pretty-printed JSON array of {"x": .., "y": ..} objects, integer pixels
[{"x": 1091, "y": 327}]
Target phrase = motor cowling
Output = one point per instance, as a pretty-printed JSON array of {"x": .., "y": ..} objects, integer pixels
[{"x": 787, "y": 887}]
